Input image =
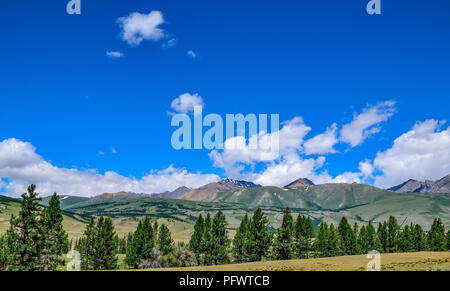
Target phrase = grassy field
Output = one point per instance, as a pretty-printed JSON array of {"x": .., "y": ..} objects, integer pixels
[{"x": 423, "y": 261}]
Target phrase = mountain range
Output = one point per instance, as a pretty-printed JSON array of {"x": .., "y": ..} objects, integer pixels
[{"x": 414, "y": 186}]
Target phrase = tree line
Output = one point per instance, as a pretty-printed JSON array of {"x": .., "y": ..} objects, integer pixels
[{"x": 298, "y": 239}]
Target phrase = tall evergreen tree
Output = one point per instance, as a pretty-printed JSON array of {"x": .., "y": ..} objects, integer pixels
[
  {"x": 240, "y": 241},
  {"x": 165, "y": 241},
  {"x": 207, "y": 242},
  {"x": 334, "y": 242},
  {"x": 105, "y": 245},
  {"x": 363, "y": 240},
  {"x": 220, "y": 239},
  {"x": 356, "y": 233},
  {"x": 419, "y": 240},
  {"x": 142, "y": 243},
  {"x": 304, "y": 233},
  {"x": 407, "y": 240},
  {"x": 348, "y": 237},
  {"x": 195, "y": 244},
  {"x": 382, "y": 233},
  {"x": 87, "y": 246},
  {"x": 372, "y": 239},
  {"x": 284, "y": 247},
  {"x": 54, "y": 238},
  {"x": 259, "y": 239},
  {"x": 393, "y": 235},
  {"x": 437, "y": 240},
  {"x": 24, "y": 235},
  {"x": 321, "y": 243},
  {"x": 4, "y": 253}
]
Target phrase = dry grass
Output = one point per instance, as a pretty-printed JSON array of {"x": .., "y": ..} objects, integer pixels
[{"x": 423, "y": 261}]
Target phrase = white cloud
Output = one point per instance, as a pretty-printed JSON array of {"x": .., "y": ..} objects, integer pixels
[
  {"x": 192, "y": 54},
  {"x": 186, "y": 102},
  {"x": 137, "y": 27},
  {"x": 366, "y": 168},
  {"x": 423, "y": 153},
  {"x": 22, "y": 166},
  {"x": 367, "y": 123},
  {"x": 114, "y": 54},
  {"x": 322, "y": 143},
  {"x": 273, "y": 146},
  {"x": 170, "y": 43}
]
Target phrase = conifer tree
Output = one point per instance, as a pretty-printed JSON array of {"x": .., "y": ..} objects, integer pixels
[
  {"x": 334, "y": 242},
  {"x": 419, "y": 240},
  {"x": 54, "y": 238},
  {"x": 207, "y": 242},
  {"x": 259, "y": 239},
  {"x": 4, "y": 253},
  {"x": 87, "y": 246},
  {"x": 141, "y": 244},
  {"x": 240, "y": 241},
  {"x": 356, "y": 234},
  {"x": 348, "y": 237},
  {"x": 393, "y": 235},
  {"x": 304, "y": 232},
  {"x": 105, "y": 245},
  {"x": 437, "y": 240},
  {"x": 382, "y": 233},
  {"x": 24, "y": 235},
  {"x": 321, "y": 243},
  {"x": 195, "y": 244},
  {"x": 165, "y": 240},
  {"x": 363, "y": 240},
  {"x": 406, "y": 240},
  {"x": 284, "y": 247},
  {"x": 220, "y": 239},
  {"x": 372, "y": 238}
]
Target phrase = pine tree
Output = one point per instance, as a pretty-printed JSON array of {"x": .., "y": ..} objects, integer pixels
[
  {"x": 419, "y": 240},
  {"x": 334, "y": 242},
  {"x": 363, "y": 240},
  {"x": 165, "y": 241},
  {"x": 4, "y": 253},
  {"x": 372, "y": 239},
  {"x": 259, "y": 239},
  {"x": 195, "y": 244},
  {"x": 348, "y": 237},
  {"x": 383, "y": 237},
  {"x": 406, "y": 240},
  {"x": 240, "y": 241},
  {"x": 304, "y": 232},
  {"x": 24, "y": 235},
  {"x": 393, "y": 235},
  {"x": 437, "y": 240},
  {"x": 86, "y": 246},
  {"x": 356, "y": 246},
  {"x": 141, "y": 243},
  {"x": 220, "y": 239},
  {"x": 321, "y": 243},
  {"x": 54, "y": 237},
  {"x": 105, "y": 245},
  {"x": 284, "y": 247},
  {"x": 207, "y": 242}
]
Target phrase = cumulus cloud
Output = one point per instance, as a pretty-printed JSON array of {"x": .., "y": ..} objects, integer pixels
[
  {"x": 114, "y": 54},
  {"x": 137, "y": 27},
  {"x": 186, "y": 102},
  {"x": 170, "y": 43},
  {"x": 263, "y": 147},
  {"x": 322, "y": 143},
  {"x": 192, "y": 54},
  {"x": 367, "y": 123},
  {"x": 22, "y": 166},
  {"x": 423, "y": 153}
]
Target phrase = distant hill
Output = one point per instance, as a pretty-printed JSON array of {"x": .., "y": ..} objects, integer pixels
[
  {"x": 302, "y": 182},
  {"x": 174, "y": 194},
  {"x": 414, "y": 186},
  {"x": 206, "y": 193},
  {"x": 65, "y": 200}
]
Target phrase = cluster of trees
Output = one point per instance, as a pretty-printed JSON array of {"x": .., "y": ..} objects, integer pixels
[
  {"x": 36, "y": 240},
  {"x": 153, "y": 247},
  {"x": 297, "y": 239}
]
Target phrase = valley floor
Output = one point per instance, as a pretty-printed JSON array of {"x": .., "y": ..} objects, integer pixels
[{"x": 422, "y": 261}]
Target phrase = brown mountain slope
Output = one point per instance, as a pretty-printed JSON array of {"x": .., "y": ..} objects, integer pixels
[{"x": 205, "y": 193}]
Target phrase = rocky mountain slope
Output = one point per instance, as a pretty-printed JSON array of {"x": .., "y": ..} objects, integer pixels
[
  {"x": 414, "y": 186},
  {"x": 206, "y": 193}
]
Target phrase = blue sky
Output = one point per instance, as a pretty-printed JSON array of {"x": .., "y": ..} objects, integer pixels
[{"x": 325, "y": 61}]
